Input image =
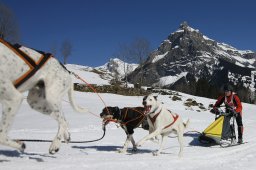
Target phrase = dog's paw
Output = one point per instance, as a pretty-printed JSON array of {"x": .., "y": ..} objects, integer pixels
[
  {"x": 155, "y": 140},
  {"x": 55, "y": 146},
  {"x": 155, "y": 153},
  {"x": 67, "y": 137},
  {"x": 121, "y": 151},
  {"x": 139, "y": 144},
  {"x": 134, "y": 149},
  {"x": 22, "y": 146},
  {"x": 53, "y": 151}
]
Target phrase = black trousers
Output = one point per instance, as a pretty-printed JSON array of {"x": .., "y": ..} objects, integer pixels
[{"x": 240, "y": 127}]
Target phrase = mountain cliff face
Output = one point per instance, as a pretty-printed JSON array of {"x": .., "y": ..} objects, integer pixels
[{"x": 189, "y": 61}]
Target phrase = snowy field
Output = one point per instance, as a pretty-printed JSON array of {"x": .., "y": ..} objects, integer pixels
[{"x": 102, "y": 155}]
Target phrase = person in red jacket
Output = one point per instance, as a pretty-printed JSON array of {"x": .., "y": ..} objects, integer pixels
[{"x": 231, "y": 100}]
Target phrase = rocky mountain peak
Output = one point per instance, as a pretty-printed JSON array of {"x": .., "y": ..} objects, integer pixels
[
  {"x": 184, "y": 25},
  {"x": 189, "y": 56}
]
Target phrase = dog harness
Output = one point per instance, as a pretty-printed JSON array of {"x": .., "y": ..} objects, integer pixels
[
  {"x": 33, "y": 65},
  {"x": 122, "y": 119},
  {"x": 153, "y": 119}
]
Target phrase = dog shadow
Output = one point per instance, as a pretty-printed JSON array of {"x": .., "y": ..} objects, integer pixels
[
  {"x": 112, "y": 148},
  {"x": 17, "y": 154},
  {"x": 194, "y": 135},
  {"x": 195, "y": 141},
  {"x": 9, "y": 153},
  {"x": 108, "y": 148}
]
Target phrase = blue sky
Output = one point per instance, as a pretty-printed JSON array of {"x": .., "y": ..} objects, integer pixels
[{"x": 97, "y": 27}]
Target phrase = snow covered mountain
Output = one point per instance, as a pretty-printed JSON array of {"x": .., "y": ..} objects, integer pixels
[
  {"x": 117, "y": 67},
  {"x": 187, "y": 59},
  {"x": 102, "y": 75}
]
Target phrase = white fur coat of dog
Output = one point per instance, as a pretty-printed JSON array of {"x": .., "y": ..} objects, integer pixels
[
  {"x": 45, "y": 91},
  {"x": 162, "y": 122}
]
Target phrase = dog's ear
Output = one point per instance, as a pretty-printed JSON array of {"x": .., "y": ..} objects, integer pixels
[
  {"x": 145, "y": 97},
  {"x": 105, "y": 109},
  {"x": 116, "y": 114},
  {"x": 116, "y": 109},
  {"x": 155, "y": 97}
]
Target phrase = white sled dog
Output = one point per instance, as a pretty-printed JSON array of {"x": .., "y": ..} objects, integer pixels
[
  {"x": 46, "y": 81},
  {"x": 162, "y": 122}
]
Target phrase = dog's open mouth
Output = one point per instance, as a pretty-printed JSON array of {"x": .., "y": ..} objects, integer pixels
[
  {"x": 147, "y": 108},
  {"x": 106, "y": 119}
]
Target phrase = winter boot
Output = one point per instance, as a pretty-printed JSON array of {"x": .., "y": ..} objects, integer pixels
[
  {"x": 240, "y": 140},
  {"x": 240, "y": 130}
]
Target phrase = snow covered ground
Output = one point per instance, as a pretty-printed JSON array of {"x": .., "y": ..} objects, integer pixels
[{"x": 30, "y": 124}]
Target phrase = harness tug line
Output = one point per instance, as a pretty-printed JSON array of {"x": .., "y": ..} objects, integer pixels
[
  {"x": 108, "y": 120},
  {"x": 88, "y": 84},
  {"x": 113, "y": 120}
]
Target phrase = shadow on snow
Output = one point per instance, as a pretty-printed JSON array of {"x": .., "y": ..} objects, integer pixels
[
  {"x": 17, "y": 154},
  {"x": 113, "y": 148}
]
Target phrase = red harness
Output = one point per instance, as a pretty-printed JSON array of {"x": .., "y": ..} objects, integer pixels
[{"x": 153, "y": 119}]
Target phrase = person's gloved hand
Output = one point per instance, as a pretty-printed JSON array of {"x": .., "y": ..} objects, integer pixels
[
  {"x": 235, "y": 113},
  {"x": 230, "y": 111},
  {"x": 214, "y": 110}
]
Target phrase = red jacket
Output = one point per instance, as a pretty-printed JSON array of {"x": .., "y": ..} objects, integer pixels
[{"x": 232, "y": 100}]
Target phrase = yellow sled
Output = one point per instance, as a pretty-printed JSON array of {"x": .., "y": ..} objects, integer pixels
[{"x": 221, "y": 129}]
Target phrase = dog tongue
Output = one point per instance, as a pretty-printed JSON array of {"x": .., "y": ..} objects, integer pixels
[{"x": 147, "y": 109}]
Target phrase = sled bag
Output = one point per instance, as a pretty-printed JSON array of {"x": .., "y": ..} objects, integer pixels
[{"x": 219, "y": 129}]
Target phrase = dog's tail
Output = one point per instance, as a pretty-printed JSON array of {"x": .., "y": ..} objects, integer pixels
[
  {"x": 73, "y": 103},
  {"x": 186, "y": 124}
]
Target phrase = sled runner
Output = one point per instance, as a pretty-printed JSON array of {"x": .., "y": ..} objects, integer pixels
[{"x": 222, "y": 130}]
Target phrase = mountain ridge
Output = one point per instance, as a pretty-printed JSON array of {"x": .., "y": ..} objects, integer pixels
[{"x": 192, "y": 56}]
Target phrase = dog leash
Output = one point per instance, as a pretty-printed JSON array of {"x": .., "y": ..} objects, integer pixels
[
  {"x": 86, "y": 141},
  {"x": 88, "y": 84}
]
